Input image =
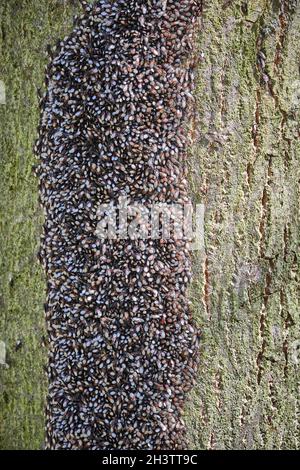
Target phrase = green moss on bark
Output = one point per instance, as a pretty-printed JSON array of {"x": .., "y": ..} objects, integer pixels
[
  {"x": 27, "y": 27},
  {"x": 245, "y": 169}
]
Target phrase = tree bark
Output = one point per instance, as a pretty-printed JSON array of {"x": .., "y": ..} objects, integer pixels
[
  {"x": 27, "y": 27},
  {"x": 244, "y": 167}
]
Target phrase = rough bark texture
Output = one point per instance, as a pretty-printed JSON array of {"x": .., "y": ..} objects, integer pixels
[
  {"x": 27, "y": 26},
  {"x": 244, "y": 167}
]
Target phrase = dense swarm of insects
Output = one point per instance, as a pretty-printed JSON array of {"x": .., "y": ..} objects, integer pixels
[{"x": 122, "y": 344}]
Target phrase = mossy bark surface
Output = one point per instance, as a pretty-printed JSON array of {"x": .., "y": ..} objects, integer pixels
[
  {"x": 27, "y": 26},
  {"x": 244, "y": 167}
]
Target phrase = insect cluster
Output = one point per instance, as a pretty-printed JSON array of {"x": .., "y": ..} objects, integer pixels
[{"x": 123, "y": 347}]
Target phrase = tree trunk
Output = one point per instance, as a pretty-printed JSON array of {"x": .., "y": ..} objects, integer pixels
[
  {"x": 243, "y": 168},
  {"x": 27, "y": 26}
]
